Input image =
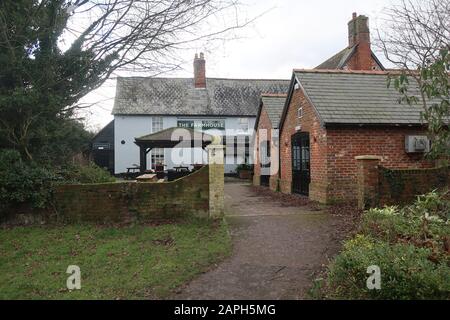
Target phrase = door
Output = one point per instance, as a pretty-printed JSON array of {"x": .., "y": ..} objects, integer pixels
[
  {"x": 264, "y": 157},
  {"x": 300, "y": 163}
]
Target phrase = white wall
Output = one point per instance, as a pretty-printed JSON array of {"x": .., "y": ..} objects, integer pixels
[{"x": 127, "y": 128}]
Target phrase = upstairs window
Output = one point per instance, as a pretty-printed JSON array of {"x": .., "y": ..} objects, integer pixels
[
  {"x": 300, "y": 112},
  {"x": 243, "y": 124},
  {"x": 157, "y": 124}
]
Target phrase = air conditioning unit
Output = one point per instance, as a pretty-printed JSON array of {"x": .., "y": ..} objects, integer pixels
[{"x": 414, "y": 144}]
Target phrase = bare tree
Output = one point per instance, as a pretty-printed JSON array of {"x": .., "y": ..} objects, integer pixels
[
  {"x": 54, "y": 52},
  {"x": 414, "y": 32},
  {"x": 416, "y": 39},
  {"x": 140, "y": 34}
]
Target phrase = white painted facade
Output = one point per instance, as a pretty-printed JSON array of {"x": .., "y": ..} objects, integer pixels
[{"x": 129, "y": 127}]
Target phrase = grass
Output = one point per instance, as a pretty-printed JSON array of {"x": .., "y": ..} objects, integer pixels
[{"x": 139, "y": 262}]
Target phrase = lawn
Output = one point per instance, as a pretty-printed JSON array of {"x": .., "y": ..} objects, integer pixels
[{"x": 139, "y": 262}]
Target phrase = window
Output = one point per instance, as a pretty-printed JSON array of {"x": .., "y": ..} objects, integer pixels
[
  {"x": 157, "y": 156},
  {"x": 157, "y": 124},
  {"x": 237, "y": 147},
  {"x": 243, "y": 124},
  {"x": 157, "y": 153},
  {"x": 300, "y": 112}
]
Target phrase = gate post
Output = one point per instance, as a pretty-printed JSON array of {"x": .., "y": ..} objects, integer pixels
[
  {"x": 368, "y": 196},
  {"x": 216, "y": 179}
]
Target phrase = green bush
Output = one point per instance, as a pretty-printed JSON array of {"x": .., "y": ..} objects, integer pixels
[
  {"x": 406, "y": 271},
  {"x": 86, "y": 174},
  {"x": 408, "y": 244},
  {"x": 31, "y": 184},
  {"x": 22, "y": 182},
  {"x": 432, "y": 204},
  {"x": 391, "y": 223},
  {"x": 244, "y": 166}
]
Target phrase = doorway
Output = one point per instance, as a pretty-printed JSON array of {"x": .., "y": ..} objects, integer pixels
[{"x": 301, "y": 176}]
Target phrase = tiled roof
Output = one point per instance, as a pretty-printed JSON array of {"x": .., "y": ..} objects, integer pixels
[
  {"x": 357, "y": 97},
  {"x": 274, "y": 105},
  {"x": 338, "y": 60},
  {"x": 170, "y": 134},
  {"x": 177, "y": 96}
]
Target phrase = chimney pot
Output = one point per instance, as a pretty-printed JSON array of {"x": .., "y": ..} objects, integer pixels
[{"x": 354, "y": 15}]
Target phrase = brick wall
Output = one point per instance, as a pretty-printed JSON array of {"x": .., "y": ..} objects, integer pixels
[
  {"x": 129, "y": 201},
  {"x": 333, "y": 151},
  {"x": 379, "y": 186},
  {"x": 311, "y": 124},
  {"x": 344, "y": 144},
  {"x": 404, "y": 185},
  {"x": 362, "y": 60}
]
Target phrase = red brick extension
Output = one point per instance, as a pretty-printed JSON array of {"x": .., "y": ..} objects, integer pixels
[{"x": 333, "y": 151}]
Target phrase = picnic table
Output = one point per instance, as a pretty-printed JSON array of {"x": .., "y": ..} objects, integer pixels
[
  {"x": 132, "y": 170},
  {"x": 181, "y": 168},
  {"x": 177, "y": 172}
]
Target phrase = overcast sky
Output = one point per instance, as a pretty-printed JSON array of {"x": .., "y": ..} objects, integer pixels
[{"x": 291, "y": 34}]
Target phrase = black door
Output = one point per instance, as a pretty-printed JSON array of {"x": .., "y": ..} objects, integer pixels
[
  {"x": 264, "y": 156},
  {"x": 300, "y": 163}
]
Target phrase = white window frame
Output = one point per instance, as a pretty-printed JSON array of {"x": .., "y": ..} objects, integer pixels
[
  {"x": 157, "y": 157},
  {"x": 157, "y": 124},
  {"x": 243, "y": 124},
  {"x": 300, "y": 113},
  {"x": 157, "y": 154}
]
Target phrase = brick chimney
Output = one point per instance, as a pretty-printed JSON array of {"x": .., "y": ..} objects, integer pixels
[
  {"x": 199, "y": 71},
  {"x": 359, "y": 35}
]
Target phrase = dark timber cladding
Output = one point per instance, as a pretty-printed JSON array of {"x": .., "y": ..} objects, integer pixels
[
  {"x": 170, "y": 138},
  {"x": 103, "y": 147}
]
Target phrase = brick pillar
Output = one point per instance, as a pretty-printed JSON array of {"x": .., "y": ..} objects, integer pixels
[
  {"x": 368, "y": 181},
  {"x": 216, "y": 179}
]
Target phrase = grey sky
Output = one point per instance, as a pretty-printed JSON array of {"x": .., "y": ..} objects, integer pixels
[{"x": 292, "y": 34}]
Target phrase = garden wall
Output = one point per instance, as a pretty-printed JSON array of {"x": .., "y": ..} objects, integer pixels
[
  {"x": 379, "y": 186},
  {"x": 131, "y": 201},
  {"x": 404, "y": 185}
]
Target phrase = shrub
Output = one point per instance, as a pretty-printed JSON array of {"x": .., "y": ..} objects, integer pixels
[
  {"x": 406, "y": 271},
  {"x": 22, "y": 182},
  {"x": 86, "y": 174},
  {"x": 410, "y": 245},
  {"x": 244, "y": 166},
  {"x": 432, "y": 204},
  {"x": 425, "y": 219},
  {"x": 31, "y": 184}
]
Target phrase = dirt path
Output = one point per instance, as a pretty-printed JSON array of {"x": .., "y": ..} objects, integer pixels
[{"x": 276, "y": 250}]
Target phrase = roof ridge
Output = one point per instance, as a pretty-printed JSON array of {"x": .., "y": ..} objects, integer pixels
[
  {"x": 211, "y": 78},
  {"x": 367, "y": 72},
  {"x": 274, "y": 95}
]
